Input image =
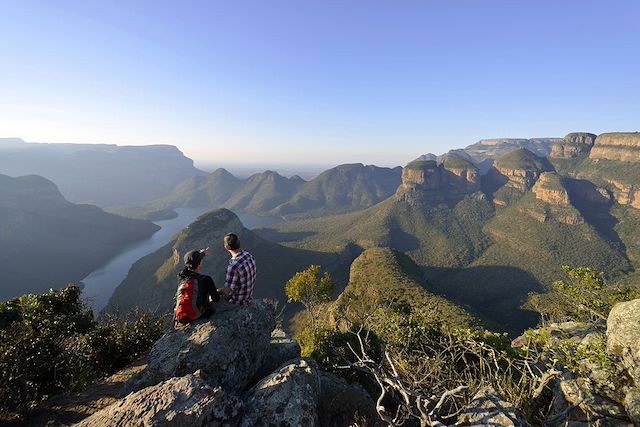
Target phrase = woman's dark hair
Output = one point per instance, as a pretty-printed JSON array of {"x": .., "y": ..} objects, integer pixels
[{"x": 231, "y": 242}]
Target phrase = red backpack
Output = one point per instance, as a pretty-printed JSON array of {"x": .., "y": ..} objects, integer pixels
[{"x": 188, "y": 307}]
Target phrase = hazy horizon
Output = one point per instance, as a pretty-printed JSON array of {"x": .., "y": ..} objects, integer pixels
[{"x": 326, "y": 83}]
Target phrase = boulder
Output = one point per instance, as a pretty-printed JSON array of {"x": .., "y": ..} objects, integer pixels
[
  {"x": 228, "y": 348},
  {"x": 488, "y": 408},
  {"x": 623, "y": 340},
  {"x": 287, "y": 397},
  {"x": 183, "y": 401},
  {"x": 590, "y": 406},
  {"x": 344, "y": 404},
  {"x": 281, "y": 349},
  {"x": 632, "y": 405}
]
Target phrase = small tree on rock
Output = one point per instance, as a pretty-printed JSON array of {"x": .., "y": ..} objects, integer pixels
[{"x": 310, "y": 289}]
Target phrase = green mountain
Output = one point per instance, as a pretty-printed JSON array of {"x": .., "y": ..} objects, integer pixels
[
  {"x": 204, "y": 191},
  {"x": 151, "y": 281},
  {"x": 487, "y": 242},
  {"x": 264, "y": 191},
  {"x": 48, "y": 242},
  {"x": 100, "y": 174},
  {"x": 380, "y": 276},
  {"x": 343, "y": 188}
]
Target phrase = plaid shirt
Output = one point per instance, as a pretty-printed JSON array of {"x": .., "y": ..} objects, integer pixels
[{"x": 241, "y": 276}]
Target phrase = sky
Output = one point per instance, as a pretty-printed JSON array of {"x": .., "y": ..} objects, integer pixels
[{"x": 316, "y": 82}]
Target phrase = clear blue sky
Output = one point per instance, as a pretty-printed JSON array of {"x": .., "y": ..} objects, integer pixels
[{"x": 323, "y": 81}]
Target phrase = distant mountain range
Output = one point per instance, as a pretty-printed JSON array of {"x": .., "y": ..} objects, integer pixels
[
  {"x": 487, "y": 240},
  {"x": 485, "y": 151},
  {"x": 100, "y": 174},
  {"x": 47, "y": 242},
  {"x": 485, "y": 225},
  {"x": 341, "y": 189}
]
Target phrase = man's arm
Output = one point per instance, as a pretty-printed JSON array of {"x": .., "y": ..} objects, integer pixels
[{"x": 231, "y": 280}]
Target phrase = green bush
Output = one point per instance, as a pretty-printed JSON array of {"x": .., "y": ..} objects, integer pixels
[{"x": 51, "y": 343}]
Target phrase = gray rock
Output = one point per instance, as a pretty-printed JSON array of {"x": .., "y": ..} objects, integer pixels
[
  {"x": 487, "y": 408},
  {"x": 228, "y": 348},
  {"x": 287, "y": 397},
  {"x": 342, "y": 404},
  {"x": 590, "y": 405},
  {"x": 184, "y": 401},
  {"x": 632, "y": 405},
  {"x": 623, "y": 339},
  {"x": 282, "y": 348}
]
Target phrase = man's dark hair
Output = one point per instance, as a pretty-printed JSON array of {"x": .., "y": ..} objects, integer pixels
[{"x": 231, "y": 242}]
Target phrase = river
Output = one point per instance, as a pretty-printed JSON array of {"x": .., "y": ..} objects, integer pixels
[{"x": 100, "y": 284}]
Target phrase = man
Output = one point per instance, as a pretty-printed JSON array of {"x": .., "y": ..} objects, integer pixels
[
  {"x": 241, "y": 273},
  {"x": 195, "y": 291}
]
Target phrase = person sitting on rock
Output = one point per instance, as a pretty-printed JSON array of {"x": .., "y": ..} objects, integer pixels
[
  {"x": 241, "y": 273},
  {"x": 196, "y": 291}
]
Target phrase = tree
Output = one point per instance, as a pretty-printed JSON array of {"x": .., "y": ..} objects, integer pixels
[
  {"x": 310, "y": 289},
  {"x": 587, "y": 295}
]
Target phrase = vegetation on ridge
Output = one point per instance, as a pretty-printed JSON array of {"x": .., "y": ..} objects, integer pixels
[{"x": 51, "y": 343}]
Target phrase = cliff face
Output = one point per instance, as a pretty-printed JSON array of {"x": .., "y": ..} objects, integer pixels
[
  {"x": 68, "y": 240},
  {"x": 426, "y": 182},
  {"x": 550, "y": 190},
  {"x": 101, "y": 174},
  {"x": 575, "y": 144},
  {"x": 521, "y": 168},
  {"x": 622, "y": 146},
  {"x": 626, "y": 195}
]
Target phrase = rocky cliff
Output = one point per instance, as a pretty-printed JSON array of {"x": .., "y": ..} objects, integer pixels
[
  {"x": 427, "y": 182},
  {"x": 550, "y": 190},
  {"x": 100, "y": 174},
  {"x": 521, "y": 168},
  {"x": 575, "y": 144},
  {"x": 622, "y": 146},
  {"x": 485, "y": 151},
  {"x": 47, "y": 241},
  {"x": 232, "y": 369}
]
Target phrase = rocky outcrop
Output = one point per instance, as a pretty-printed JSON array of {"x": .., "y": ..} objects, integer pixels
[
  {"x": 288, "y": 397},
  {"x": 550, "y": 190},
  {"x": 622, "y": 146},
  {"x": 427, "y": 182},
  {"x": 581, "y": 394},
  {"x": 462, "y": 175},
  {"x": 340, "y": 403},
  {"x": 281, "y": 349},
  {"x": 575, "y": 144},
  {"x": 228, "y": 348},
  {"x": 488, "y": 408},
  {"x": 484, "y": 152},
  {"x": 181, "y": 401},
  {"x": 625, "y": 194},
  {"x": 623, "y": 340},
  {"x": 201, "y": 374},
  {"x": 521, "y": 168}
]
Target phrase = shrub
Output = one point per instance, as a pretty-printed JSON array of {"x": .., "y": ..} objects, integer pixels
[{"x": 50, "y": 343}]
